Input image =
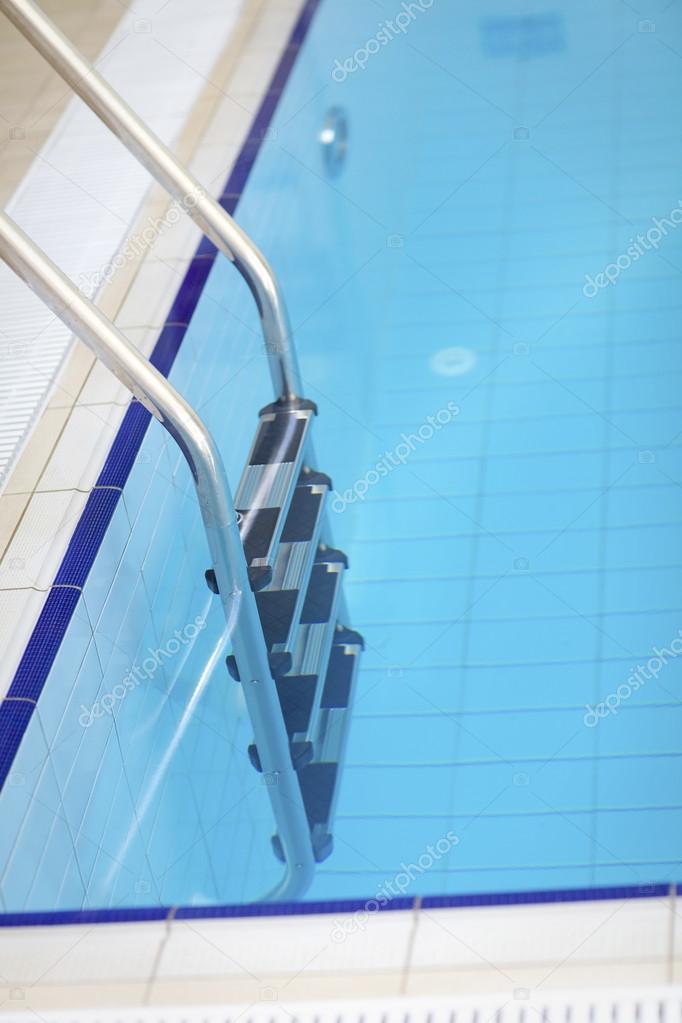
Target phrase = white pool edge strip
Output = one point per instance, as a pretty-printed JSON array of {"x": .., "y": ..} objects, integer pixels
[{"x": 520, "y": 953}]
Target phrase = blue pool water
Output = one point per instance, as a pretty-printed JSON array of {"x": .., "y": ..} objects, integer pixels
[{"x": 510, "y": 565}]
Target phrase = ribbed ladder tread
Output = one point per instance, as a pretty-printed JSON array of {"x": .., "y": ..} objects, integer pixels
[
  {"x": 300, "y": 690},
  {"x": 266, "y": 488}
]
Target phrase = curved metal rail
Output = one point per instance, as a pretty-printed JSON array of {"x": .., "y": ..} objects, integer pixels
[
  {"x": 216, "y": 224},
  {"x": 218, "y": 513}
]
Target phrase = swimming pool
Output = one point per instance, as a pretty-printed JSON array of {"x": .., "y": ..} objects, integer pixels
[{"x": 486, "y": 312}]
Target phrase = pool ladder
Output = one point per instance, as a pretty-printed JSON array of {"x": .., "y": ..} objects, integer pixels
[
  {"x": 278, "y": 577},
  {"x": 297, "y": 578}
]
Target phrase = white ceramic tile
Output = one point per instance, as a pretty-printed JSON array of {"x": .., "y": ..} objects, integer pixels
[
  {"x": 82, "y": 448},
  {"x": 72, "y": 376},
  {"x": 553, "y": 933},
  {"x": 55, "y": 1001},
  {"x": 18, "y": 609},
  {"x": 229, "y": 124},
  {"x": 36, "y": 454},
  {"x": 12, "y": 507},
  {"x": 213, "y": 162},
  {"x": 63, "y": 955},
  {"x": 151, "y": 295},
  {"x": 271, "y": 994},
  {"x": 101, "y": 386},
  {"x": 256, "y": 63},
  {"x": 539, "y": 982},
  {"x": 286, "y": 946},
  {"x": 178, "y": 236},
  {"x": 38, "y": 545}
]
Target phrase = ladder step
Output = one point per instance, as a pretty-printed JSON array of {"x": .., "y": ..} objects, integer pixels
[
  {"x": 280, "y": 664},
  {"x": 301, "y": 754},
  {"x": 300, "y": 691},
  {"x": 318, "y": 619},
  {"x": 337, "y": 698},
  {"x": 301, "y": 708},
  {"x": 280, "y": 604},
  {"x": 319, "y": 778},
  {"x": 267, "y": 485},
  {"x": 318, "y": 786},
  {"x": 338, "y": 683}
]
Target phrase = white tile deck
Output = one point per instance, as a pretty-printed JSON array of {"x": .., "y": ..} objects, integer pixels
[
  {"x": 82, "y": 192},
  {"x": 36, "y": 548},
  {"x": 274, "y": 965}
]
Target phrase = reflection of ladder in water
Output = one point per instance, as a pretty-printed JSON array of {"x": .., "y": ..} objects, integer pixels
[
  {"x": 278, "y": 577},
  {"x": 298, "y": 578}
]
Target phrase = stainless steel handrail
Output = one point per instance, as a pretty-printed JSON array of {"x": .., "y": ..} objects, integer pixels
[
  {"x": 216, "y": 224},
  {"x": 217, "y": 509}
]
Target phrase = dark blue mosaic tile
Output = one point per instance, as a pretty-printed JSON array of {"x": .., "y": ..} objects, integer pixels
[
  {"x": 206, "y": 248},
  {"x": 288, "y": 908},
  {"x": 167, "y": 347},
  {"x": 229, "y": 202},
  {"x": 44, "y": 642},
  {"x": 304, "y": 21},
  {"x": 258, "y": 133},
  {"x": 14, "y": 718},
  {"x": 557, "y": 895},
  {"x": 332, "y": 907},
  {"x": 243, "y": 165},
  {"x": 121, "y": 458},
  {"x": 87, "y": 537},
  {"x": 84, "y": 916},
  {"x": 189, "y": 294},
  {"x": 283, "y": 70},
  {"x": 261, "y": 124}
]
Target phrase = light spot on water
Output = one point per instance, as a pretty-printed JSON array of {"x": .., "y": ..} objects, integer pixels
[{"x": 453, "y": 362}]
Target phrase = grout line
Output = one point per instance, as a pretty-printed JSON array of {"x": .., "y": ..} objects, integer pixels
[
  {"x": 407, "y": 966},
  {"x": 671, "y": 934},
  {"x": 146, "y": 998}
]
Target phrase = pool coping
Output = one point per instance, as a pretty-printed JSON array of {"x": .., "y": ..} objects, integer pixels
[{"x": 17, "y": 707}]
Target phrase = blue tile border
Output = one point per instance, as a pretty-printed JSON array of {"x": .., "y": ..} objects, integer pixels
[
  {"x": 63, "y": 597},
  {"x": 133, "y": 915},
  {"x": 37, "y": 659}
]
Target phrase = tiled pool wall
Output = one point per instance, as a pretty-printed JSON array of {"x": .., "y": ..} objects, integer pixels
[{"x": 112, "y": 778}]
